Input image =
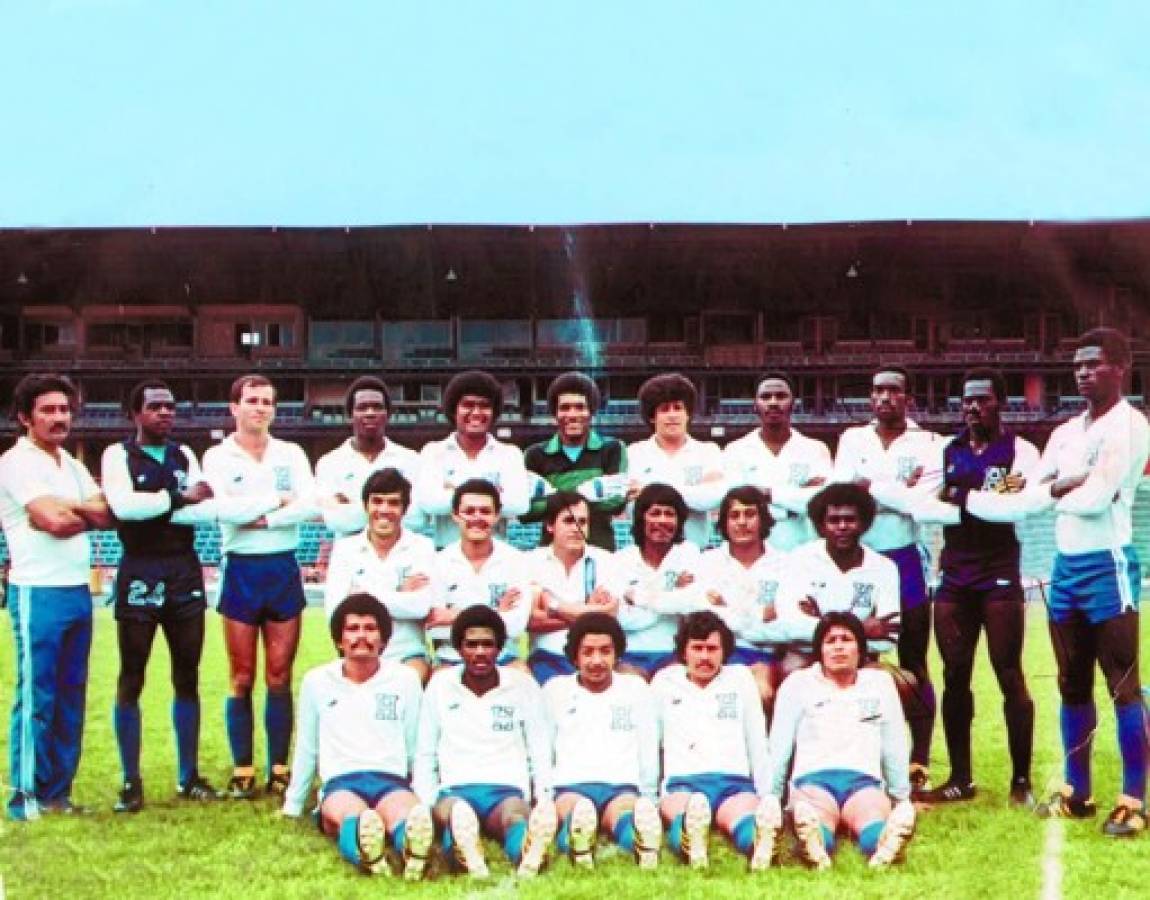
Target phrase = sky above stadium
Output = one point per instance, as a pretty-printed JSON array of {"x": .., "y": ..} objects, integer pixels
[{"x": 363, "y": 112}]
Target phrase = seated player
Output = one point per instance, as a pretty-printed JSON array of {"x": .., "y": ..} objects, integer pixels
[
  {"x": 606, "y": 740},
  {"x": 714, "y": 747},
  {"x": 839, "y": 731},
  {"x": 357, "y": 721},
  {"x": 479, "y": 568},
  {"x": 483, "y": 751},
  {"x": 390, "y": 562}
]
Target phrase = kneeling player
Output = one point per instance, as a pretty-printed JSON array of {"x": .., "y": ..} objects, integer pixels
[
  {"x": 482, "y": 750},
  {"x": 714, "y": 747},
  {"x": 606, "y": 747},
  {"x": 358, "y": 718},
  {"x": 839, "y": 730}
]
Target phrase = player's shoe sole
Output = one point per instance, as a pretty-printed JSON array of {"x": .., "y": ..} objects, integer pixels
[
  {"x": 696, "y": 830},
  {"x": 809, "y": 831},
  {"x": 419, "y": 832},
  {"x": 541, "y": 825},
  {"x": 768, "y": 826},
  {"x": 648, "y": 833},
  {"x": 896, "y": 834},
  {"x": 465, "y": 834},
  {"x": 584, "y": 826},
  {"x": 371, "y": 841}
]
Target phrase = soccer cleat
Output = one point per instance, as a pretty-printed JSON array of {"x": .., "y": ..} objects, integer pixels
[
  {"x": 1063, "y": 805},
  {"x": 278, "y": 781},
  {"x": 131, "y": 797},
  {"x": 420, "y": 831},
  {"x": 809, "y": 830},
  {"x": 198, "y": 789},
  {"x": 648, "y": 833},
  {"x": 241, "y": 787},
  {"x": 768, "y": 825},
  {"x": 1124, "y": 821},
  {"x": 920, "y": 786},
  {"x": 696, "y": 830},
  {"x": 465, "y": 835},
  {"x": 1021, "y": 795},
  {"x": 951, "y": 791},
  {"x": 371, "y": 841},
  {"x": 896, "y": 834},
  {"x": 541, "y": 825},
  {"x": 584, "y": 826}
]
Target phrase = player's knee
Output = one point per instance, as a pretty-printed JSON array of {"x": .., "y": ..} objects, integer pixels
[
  {"x": 185, "y": 685},
  {"x": 129, "y": 686},
  {"x": 278, "y": 679},
  {"x": 1075, "y": 691},
  {"x": 242, "y": 683}
]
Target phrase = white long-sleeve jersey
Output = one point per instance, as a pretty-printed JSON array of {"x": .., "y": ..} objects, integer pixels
[
  {"x": 457, "y": 585},
  {"x": 869, "y": 589},
  {"x": 355, "y": 566},
  {"x": 241, "y": 482},
  {"x": 748, "y": 460},
  {"x": 862, "y": 455},
  {"x": 443, "y": 466},
  {"x": 344, "y": 470},
  {"x": 596, "y": 568},
  {"x": 1112, "y": 452},
  {"x": 655, "y": 603},
  {"x": 685, "y": 471},
  {"x": 344, "y": 727},
  {"x": 499, "y": 738},
  {"x": 611, "y": 736},
  {"x": 719, "y": 728},
  {"x": 746, "y": 592},
  {"x": 823, "y": 726}
]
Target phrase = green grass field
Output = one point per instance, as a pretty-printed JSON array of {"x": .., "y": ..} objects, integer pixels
[{"x": 171, "y": 849}]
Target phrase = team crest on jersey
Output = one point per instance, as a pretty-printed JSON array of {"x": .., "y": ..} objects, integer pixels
[
  {"x": 995, "y": 478},
  {"x": 283, "y": 477},
  {"x": 905, "y": 466},
  {"x": 401, "y": 573},
  {"x": 621, "y": 719},
  {"x": 494, "y": 592},
  {"x": 386, "y": 707},
  {"x": 767, "y": 592},
  {"x": 139, "y": 594},
  {"x": 669, "y": 579},
  {"x": 181, "y": 478},
  {"x": 863, "y": 598},
  {"x": 503, "y": 718},
  {"x": 693, "y": 475},
  {"x": 800, "y": 472},
  {"x": 728, "y": 703},
  {"x": 869, "y": 709}
]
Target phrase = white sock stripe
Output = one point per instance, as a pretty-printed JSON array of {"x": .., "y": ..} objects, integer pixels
[
  {"x": 27, "y": 774},
  {"x": 1122, "y": 574}
]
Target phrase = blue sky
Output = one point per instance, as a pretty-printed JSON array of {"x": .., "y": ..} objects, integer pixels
[{"x": 124, "y": 112}]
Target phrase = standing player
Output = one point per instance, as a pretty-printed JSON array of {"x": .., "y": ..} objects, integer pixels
[
  {"x": 671, "y": 456},
  {"x": 158, "y": 495},
  {"x": 606, "y": 738},
  {"x": 838, "y": 731},
  {"x": 483, "y": 752},
  {"x": 261, "y": 592},
  {"x": 981, "y": 586},
  {"x": 340, "y": 473},
  {"x": 472, "y": 402},
  {"x": 714, "y": 747},
  {"x": 901, "y": 465},
  {"x": 481, "y": 569},
  {"x": 390, "y": 562},
  {"x": 578, "y": 458},
  {"x": 357, "y": 722},
  {"x": 1089, "y": 471},
  {"x": 47, "y": 503},
  {"x": 788, "y": 467}
]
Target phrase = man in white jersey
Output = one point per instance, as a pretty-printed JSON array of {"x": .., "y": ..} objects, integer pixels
[
  {"x": 48, "y": 502},
  {"x": 392, "y": 563},
  {"x": 472, "y": 401},
  {"x": 788, "y": 467},
  {"x": 606, "y": 738},
  {"x": 357, "y": 723},
  {"x": 901, "y": 465},
  {"x": 741, "y": 582},
  {"x": 340, "y": 473},
  {"x": 839, "y": 734},
  {"x": 479, "y": 568},
  {"x": 671, "y": 456},
  {"x": 572, "y": 577},
  {"x": 1089, "y": 472},
  {"x": 483, "y": 752},
  {"x": 261, "y": 591},
  {"x": 714, "y": 747}
]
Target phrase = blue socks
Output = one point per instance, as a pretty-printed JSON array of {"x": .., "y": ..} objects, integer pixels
[
  {"x": 868, "y": 837},
  {"x": 1132, "y": 747},
  {"x": 624, "y": 831},
  {"x": 1078, "y": 722},
  {"x": 238, "y": 718},
  {"x": 743, "y": 835},
  {"x": 126, "y": 721},
  {"x": 513, "y": 840},
  {"x": 186, "y": 722},
  {"x": 348, "y": 840},
  {"x": 399, "y": 836},
  {"x": 277, "y": 724},
  {"x": 675, "y": 834},
  {"x": 828, "y": 838},
  {"x": 563, "y": 836}
]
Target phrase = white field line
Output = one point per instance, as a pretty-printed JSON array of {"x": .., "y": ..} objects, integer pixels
[{"x": 1052, "y": 860}]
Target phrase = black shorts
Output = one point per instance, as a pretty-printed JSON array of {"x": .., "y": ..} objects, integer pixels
[{"x": 159, "y": 589}]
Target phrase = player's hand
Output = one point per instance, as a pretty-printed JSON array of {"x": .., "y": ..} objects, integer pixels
[
  {"x": 510, "y": 599},
  {"x": 864, "y": 483},
  {"x": 769, "y": 612},
  {"x": 416, "y": 582},
  {"x": 261, "y": 522},
  {"x": 286, "y": 497},
  {"x": 1012, "y": 483},
  {"x": 881, "y": 628},
  {"x": 198, "y": 492},
  {"x": 914, "y": 477},
  {"x": 809, "y": 606},
  {"x": 715, "y": 598},
  {"x": 685, "y": 579},
  {"x": 817, "y": 481},
  {"x": 441, "y": 617},
  {"x": 714, "y": 475},
  {"x": 1064, "y": 486},
  {"x": 603, "y": 600},
  {"x": 342, "y": 498}
]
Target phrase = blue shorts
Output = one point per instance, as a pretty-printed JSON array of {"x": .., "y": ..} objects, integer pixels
[
  {"x": 598, "y": 792},
  {"x": 842, "y": 784},
  {"x": 545, "y": 666},
  {"x": 648, "y": 663},
  {"x": 370, "y": 787},
  {"x": 751, "y": 656},
  {"x": 1098, "y": 585},
  {"x": 911, "y": 575},
  {"x": 717, "y": 788},
  {"x": 261, "y": 587},
  {"x": 483, "y": 798}
]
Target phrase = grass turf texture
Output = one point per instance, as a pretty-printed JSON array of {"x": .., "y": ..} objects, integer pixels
[{"x": 176, "y": 848}]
